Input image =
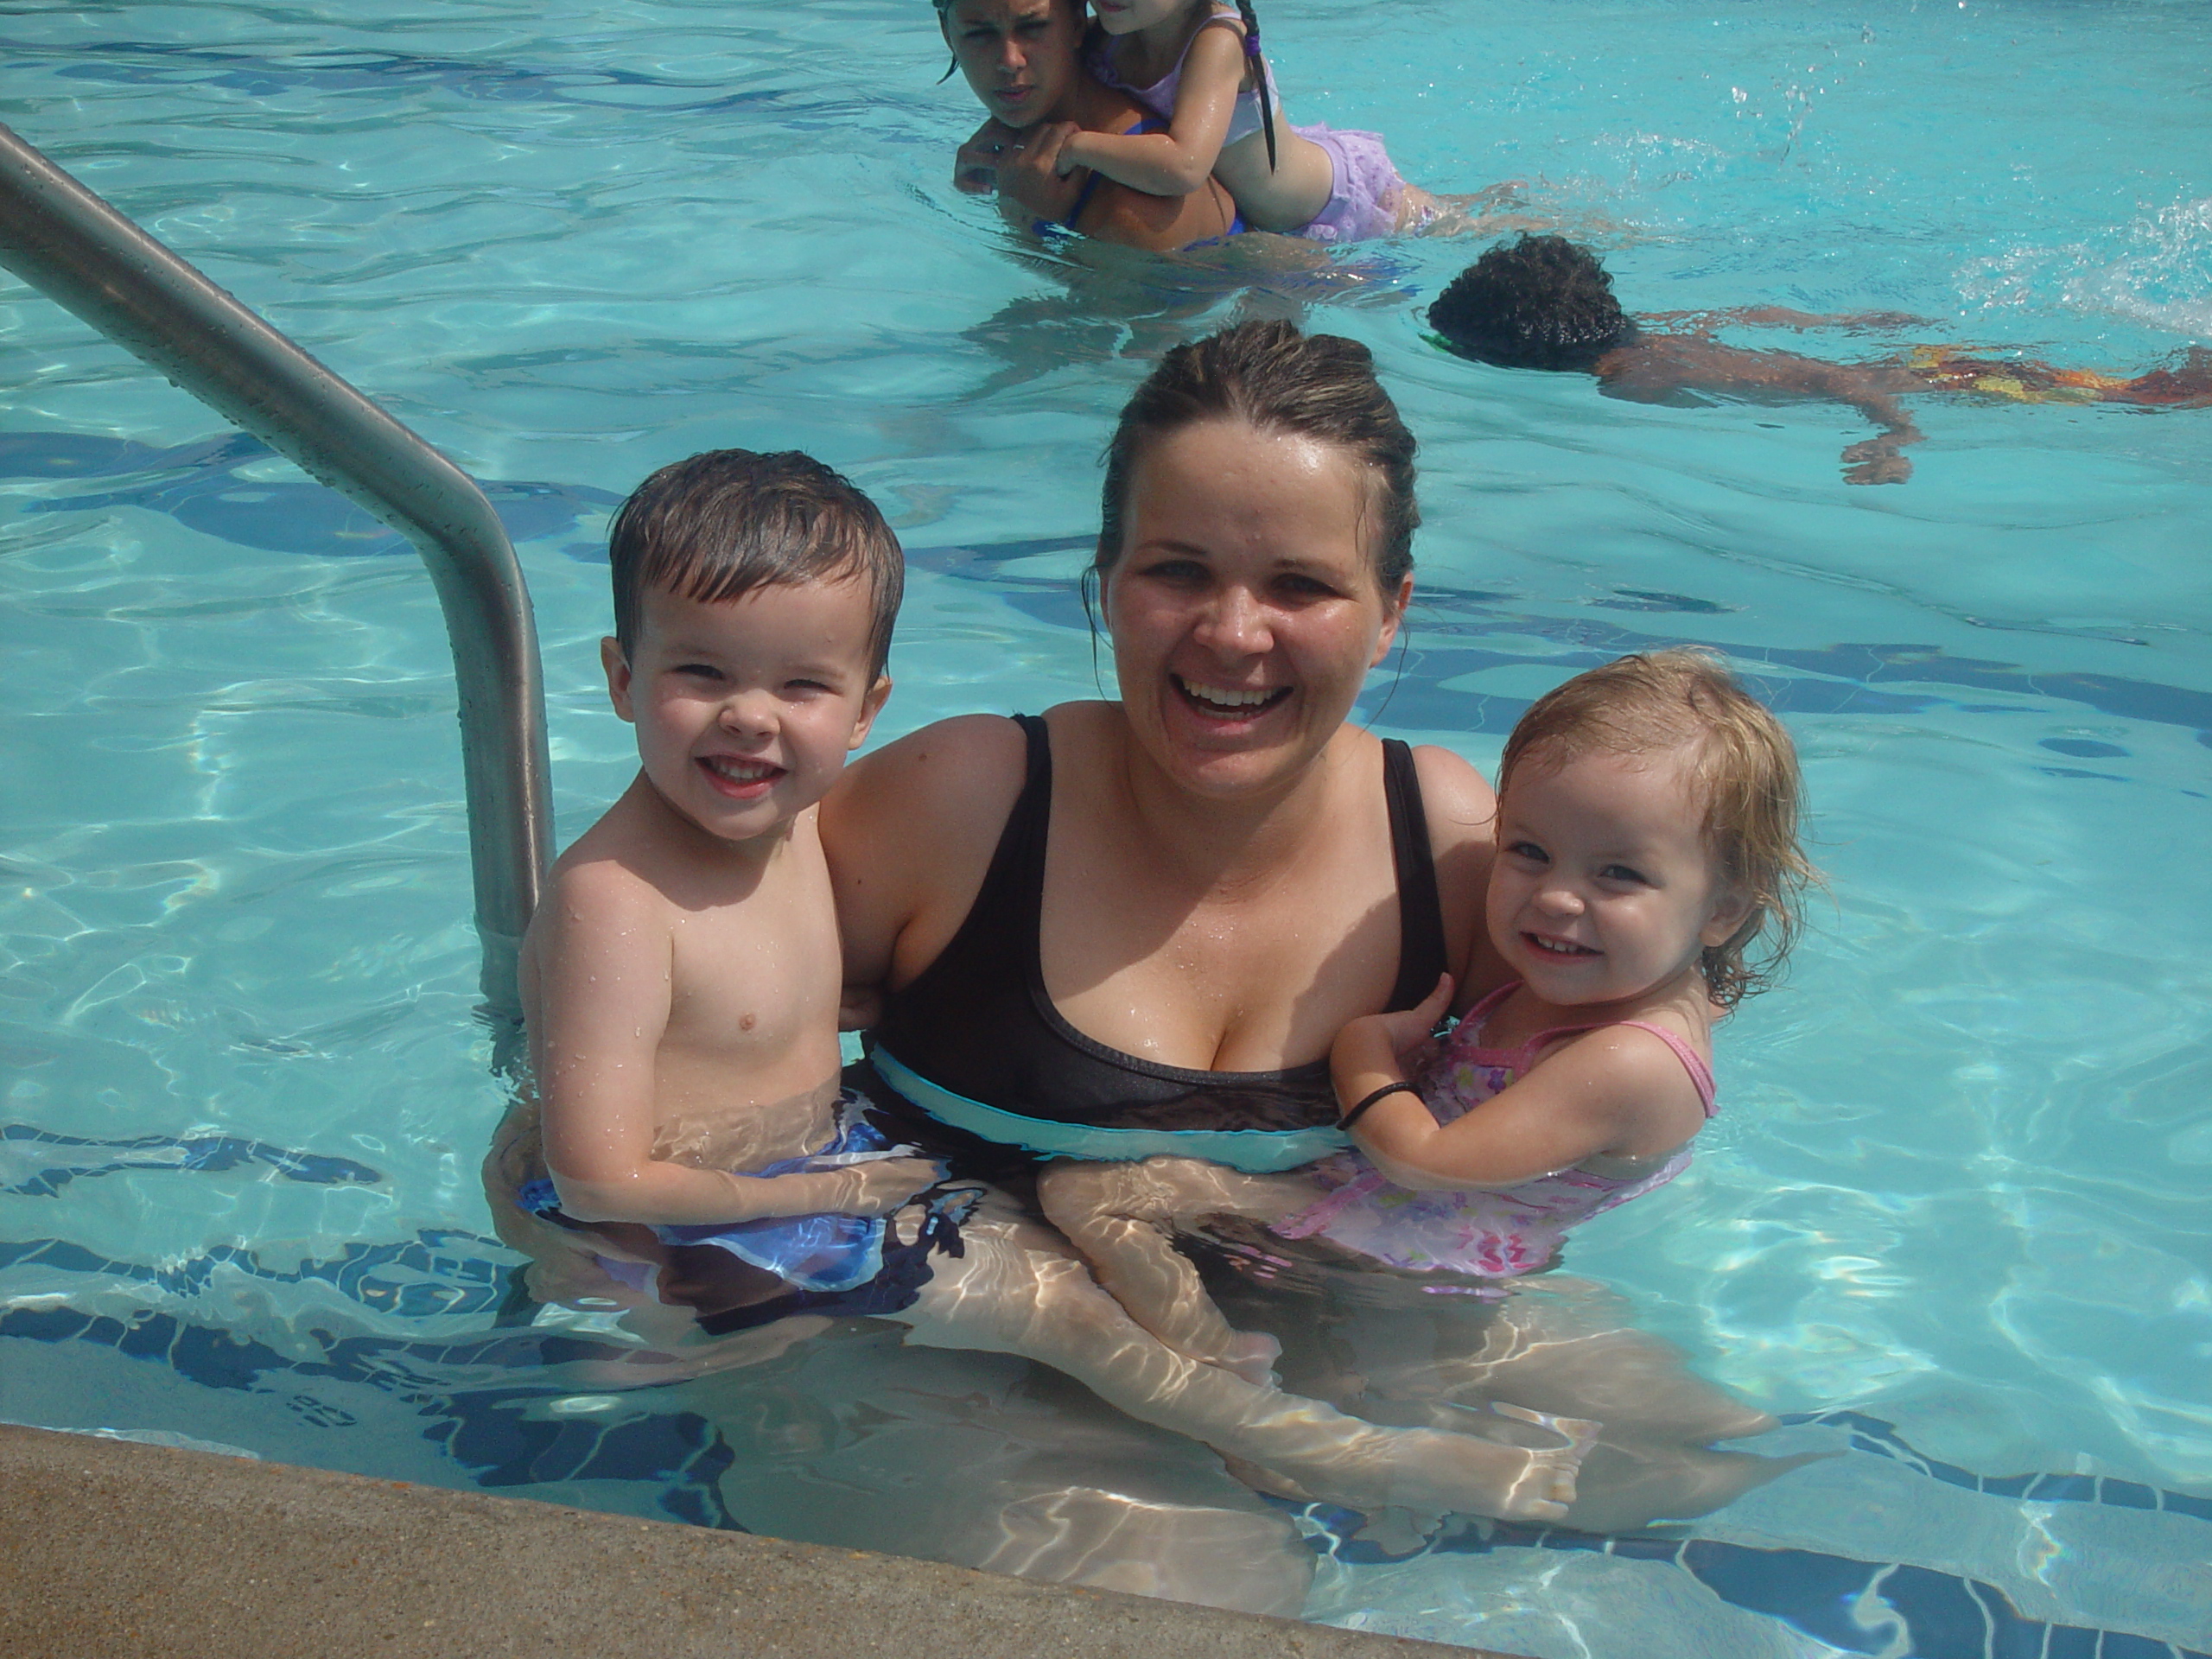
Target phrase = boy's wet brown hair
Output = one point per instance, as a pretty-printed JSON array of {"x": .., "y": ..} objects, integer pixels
[
  {"x": 717, "y": 526},
  {"x": 1276, "y": 379},
  {"x": 1745, "y": 765}
]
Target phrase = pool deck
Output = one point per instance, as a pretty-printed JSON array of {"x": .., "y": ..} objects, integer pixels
[{"x": 114, "y": 1547}]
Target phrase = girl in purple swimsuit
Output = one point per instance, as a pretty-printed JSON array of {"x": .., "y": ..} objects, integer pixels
[
  {"x": 1196, "y": 64},
  {"x": 1647, "y": 838}
]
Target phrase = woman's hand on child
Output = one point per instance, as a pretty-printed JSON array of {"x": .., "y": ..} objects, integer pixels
[
  {"x": 859, "y": 1007},
  {"x": 1029, "y": 169},
  {"x": 976, "y": 168},
  {"x": 884, "y": 1184}
]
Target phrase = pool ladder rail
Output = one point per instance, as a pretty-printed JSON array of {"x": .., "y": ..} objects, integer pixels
[{"x": 80, "y": 252}]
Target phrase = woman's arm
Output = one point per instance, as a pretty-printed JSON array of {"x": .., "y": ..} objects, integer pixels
[
  {"x": 1176, "y": 161},
  {"x": 909, "y": 832}
]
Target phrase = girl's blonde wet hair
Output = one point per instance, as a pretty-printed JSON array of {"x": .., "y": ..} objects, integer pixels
[{"x": 1743, "y": 764}]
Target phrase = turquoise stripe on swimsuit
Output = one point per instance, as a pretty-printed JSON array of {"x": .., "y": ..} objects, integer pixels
[{"x": 1256, "y": 1152}]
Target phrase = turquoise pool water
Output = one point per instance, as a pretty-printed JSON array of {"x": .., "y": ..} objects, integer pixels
[{"x": 1954, "y": 1212}]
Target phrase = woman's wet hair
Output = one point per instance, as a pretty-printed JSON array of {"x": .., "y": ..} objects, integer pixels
[
  {"x": 1276, "y": 379},
  {"x": 1539, "y": 302},
  {"x": 945, "y": 27},
  {"x": 1743, "y": 764},
  {"x": 717, "y": 526}
]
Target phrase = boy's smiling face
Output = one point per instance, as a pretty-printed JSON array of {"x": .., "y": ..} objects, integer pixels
[{"x": 746, "y": 708}]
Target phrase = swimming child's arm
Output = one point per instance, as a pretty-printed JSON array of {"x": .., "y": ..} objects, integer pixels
[
  {"x": 1779, "y": 316},
  {"x": 1615, "y": 1090},
  {"x": 604, "y": 993},
  {"x": 1179, "y": 160},
  {"x": 1658, "y": 367}
]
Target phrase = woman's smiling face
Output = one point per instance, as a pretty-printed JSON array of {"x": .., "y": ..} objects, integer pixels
[{"x": 1244, "y": 606}]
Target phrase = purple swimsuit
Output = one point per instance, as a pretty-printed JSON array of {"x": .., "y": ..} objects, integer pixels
[
  {"x": 1496, "y": 1234},
  {"x": 1364, "y": 194}
]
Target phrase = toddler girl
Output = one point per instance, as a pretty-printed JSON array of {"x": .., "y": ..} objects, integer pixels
[
  {"x": 1196, "y": 64},
  {"x": 1647, "y": 840}
]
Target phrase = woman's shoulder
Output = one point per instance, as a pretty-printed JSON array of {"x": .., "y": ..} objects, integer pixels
[
  {"x": 1456, "y": 797},
  {"x": 946, "y": 767},
  {"x": 963, "y": 773}
]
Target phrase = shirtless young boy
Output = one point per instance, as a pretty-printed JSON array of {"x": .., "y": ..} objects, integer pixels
[
  {"x": 681, "y": 984},
  {"x": 1545, "y": 302}
]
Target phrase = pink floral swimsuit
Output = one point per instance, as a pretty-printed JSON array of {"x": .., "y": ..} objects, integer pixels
[{"x": 1495, "y": 1234}]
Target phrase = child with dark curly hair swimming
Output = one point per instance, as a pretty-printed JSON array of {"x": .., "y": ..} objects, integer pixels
[{"x": 1545, "y": 302}]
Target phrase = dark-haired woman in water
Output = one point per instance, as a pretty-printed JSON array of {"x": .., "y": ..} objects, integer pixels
[{"x": 1135, "y": 926}]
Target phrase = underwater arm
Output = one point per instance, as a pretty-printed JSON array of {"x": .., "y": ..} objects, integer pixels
[
  {"x": 1875, "y": 460},
  {"x": 1779, "y": 316},
  {"x": 1124, "y": 1216},
  {"x": 1662, "y": 367}
]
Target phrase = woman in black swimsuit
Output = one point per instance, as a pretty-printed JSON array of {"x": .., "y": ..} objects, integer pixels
[{"x": 1136, "y": 926}]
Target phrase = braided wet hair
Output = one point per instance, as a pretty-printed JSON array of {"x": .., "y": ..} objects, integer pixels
[{"x": 1251, "y": 20}]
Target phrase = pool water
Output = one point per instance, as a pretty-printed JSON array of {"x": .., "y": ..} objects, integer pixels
[{"x": 1953, "y": 1220}]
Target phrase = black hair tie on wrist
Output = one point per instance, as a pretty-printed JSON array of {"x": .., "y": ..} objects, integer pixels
[{"x": 1360, "y": 1110}]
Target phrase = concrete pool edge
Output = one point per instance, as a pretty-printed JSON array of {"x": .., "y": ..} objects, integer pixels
[{"x": 120, "y": 1548}]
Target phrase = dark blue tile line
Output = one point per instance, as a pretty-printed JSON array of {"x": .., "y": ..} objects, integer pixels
[
  {"x": 203, "y": 1154},
  {"x": 1873, "y": 1434},
  {"x": 457, "y": 1277},
  {"x": 197, "y": 485},
  {"x": 487, "y": 1431},
  {"x": 1941, "y": 1616},
  {"x": 338, "y": 72},
  {"x": 1852, "y": 677}
]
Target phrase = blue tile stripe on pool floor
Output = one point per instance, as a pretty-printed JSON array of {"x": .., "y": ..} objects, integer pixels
[{"x": 1854, "y": 1606}]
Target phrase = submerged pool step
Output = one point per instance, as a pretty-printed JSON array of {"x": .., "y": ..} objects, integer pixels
[{"x": 164, "y": 1554}]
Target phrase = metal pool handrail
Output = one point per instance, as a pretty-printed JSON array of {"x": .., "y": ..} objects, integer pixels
[{"x": 80, "y": 252}]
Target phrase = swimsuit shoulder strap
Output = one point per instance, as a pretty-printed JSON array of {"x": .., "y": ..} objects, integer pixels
[
  {"x": 1018, "y": 890},
  {"x": 1001, "y": 923},
  {"x": 1693, "y": 1062},
  {"x": 1421, "y": 955}
]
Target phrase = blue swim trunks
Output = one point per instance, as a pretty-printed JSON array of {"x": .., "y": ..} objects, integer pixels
[{"x": 737, "y": 1274}]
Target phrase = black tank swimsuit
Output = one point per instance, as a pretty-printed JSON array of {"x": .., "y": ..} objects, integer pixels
[{"x": 975, "y": 1044}]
